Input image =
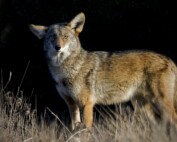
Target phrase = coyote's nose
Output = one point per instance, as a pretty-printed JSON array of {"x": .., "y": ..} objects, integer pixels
[{"x": 57, "y": 47}]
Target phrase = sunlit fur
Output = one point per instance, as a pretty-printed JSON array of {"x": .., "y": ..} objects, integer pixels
[{"x": 84, "y": 78}]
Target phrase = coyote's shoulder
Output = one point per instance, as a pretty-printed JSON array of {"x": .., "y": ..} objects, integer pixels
[{"x": 85, "y": 78}]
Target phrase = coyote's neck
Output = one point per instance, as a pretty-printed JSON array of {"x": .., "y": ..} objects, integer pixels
[
  {"x": 71, "y": 66},
  {"x": 74, "y": 62}
]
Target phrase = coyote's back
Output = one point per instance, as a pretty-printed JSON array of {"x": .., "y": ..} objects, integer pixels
[{"x": 84, "y": 78}]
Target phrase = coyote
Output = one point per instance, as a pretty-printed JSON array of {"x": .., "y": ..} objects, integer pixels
[{"x": 84, "y": 79}]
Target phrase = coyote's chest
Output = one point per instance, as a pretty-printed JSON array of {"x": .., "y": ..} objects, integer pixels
[
  {"x": 64, "y": 84},
  {"x": 60, "y": 80}
]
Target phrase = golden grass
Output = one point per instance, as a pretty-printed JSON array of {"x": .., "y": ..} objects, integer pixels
[{"x": 18, "y": 123}]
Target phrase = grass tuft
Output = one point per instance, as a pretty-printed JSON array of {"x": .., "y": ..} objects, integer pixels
[{"x": 19, "y": 123}]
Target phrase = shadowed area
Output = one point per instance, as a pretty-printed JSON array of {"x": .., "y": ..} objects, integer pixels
[{"x": 110, "y": 25}]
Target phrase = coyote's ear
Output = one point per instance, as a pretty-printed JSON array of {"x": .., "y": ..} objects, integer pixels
[
  {"x": 77, "y": 23},
  {"x": 38, "y": 30}
]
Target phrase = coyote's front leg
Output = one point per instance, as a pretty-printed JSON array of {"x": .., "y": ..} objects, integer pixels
[
  {"x": 88, "y": 114},
  {"x": 74, "y": 112}
]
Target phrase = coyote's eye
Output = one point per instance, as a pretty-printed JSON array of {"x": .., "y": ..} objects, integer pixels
[
  {"x": 52, "y": 38},
  {"x": 65, "y": 36}
]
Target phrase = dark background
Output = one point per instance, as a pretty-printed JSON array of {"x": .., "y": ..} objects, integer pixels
[{"x": 111, "y": 25}]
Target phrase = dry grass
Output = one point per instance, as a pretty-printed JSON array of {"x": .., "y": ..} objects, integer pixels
[{"x": 18, "y": 123}]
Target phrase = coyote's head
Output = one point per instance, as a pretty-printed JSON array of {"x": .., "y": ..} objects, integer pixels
[{"x": 60, "y": 40}]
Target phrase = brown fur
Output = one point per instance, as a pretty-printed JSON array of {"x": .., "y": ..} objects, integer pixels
[{"x": 87, "y": 78}]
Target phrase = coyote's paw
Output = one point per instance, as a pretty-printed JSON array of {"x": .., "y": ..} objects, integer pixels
[
  {"x": 79, "y": 126},
  {"x": 80, "y": 132}
]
